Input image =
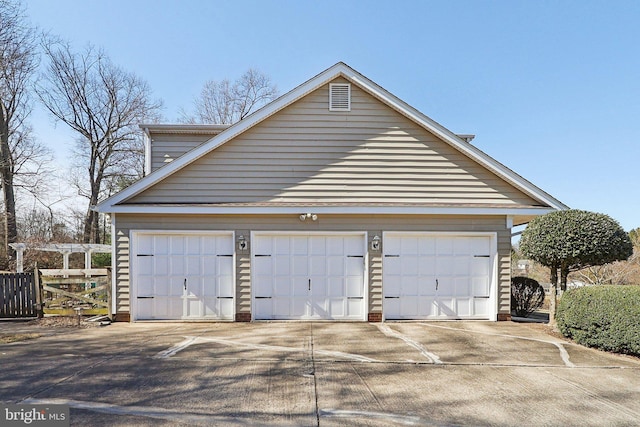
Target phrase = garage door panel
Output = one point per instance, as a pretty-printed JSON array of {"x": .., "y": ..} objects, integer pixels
[
  {"x": 354, "y": 266},
  {"x": 145, "y": 308},
  {"x": 336, "y": 265},
  {"x": 447, "y": 307},
  {"x": 409, "y": 264},
  {"x": 185, "y": 277},
  {"x": 177, "y": 265},
  {"x": 337, "y": 308},
  {"x": 262, "y": 308},
  {"x": 317, "y": 265},
  {"x": 317, "y": 246},
  {"x": 299, "y": 246},
  {"x": 318, "y": 287},
  {"x": 463, "y": 287},
  {"x": 427, "y": 306},
  {"x": 278, "y": 285},
  {"x": 354, "y": 287},
  {"x": 392, "y": 265},
  {"x": 353, "y": 245},
  {"x": 480, "y": 286},
  {"x": 409, "y": 306},
  {"x": 335, "y": 286},
  {"x": 409, "y": 246},
  {"x": 145, "y": 287},
  {"x": 355, "y": 307},
  {"x": 177, "y": 245},
  {"x": 224, "y": 265},
  {"x": 464, "y": 306},
  {"x": 392, "y": 288},
  {"x": 300, "y": 287},
  {"x": 281, "y": 267},
  {"x": 300, "y": 265},
  {"x": 225, "y": 287},
  {"x": 479, "y": 266},
  {"x": 443, "y": 275},
  {"x": 409, "y": 285},
  {"x": 282, "y": 288},
  {"x": 321, "y": 271},
  {"x": 445, "y": 265}
]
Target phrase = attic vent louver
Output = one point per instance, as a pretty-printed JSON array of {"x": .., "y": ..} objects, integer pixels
[{"x": 339, "y": 97}]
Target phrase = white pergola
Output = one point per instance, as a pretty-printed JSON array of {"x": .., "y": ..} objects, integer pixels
[{"x": 66, "y": 249}]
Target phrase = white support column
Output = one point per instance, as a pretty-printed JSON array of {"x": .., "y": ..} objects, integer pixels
[
  {"x": 87, "y": 258},
  {"x": 19, "y": 248}
]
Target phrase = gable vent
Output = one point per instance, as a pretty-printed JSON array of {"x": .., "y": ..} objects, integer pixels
[{"x": 339, "y": 97}]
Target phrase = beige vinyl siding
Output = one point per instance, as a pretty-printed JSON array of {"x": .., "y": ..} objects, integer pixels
[
  {"x": 243, "y": 274},
  {"x": 306, "y": 153},
  {"x": 165, "y": 148},
  {"x": 372, "y": 224}
]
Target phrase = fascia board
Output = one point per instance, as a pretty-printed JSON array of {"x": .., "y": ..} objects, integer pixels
[{"x": 336, "y": 210}]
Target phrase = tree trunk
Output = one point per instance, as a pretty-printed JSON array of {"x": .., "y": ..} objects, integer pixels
[
  {"x": 564, "y": 273},
  {"x": 6, "y": 175},
  {"x": 91, "y": 232},
  {"x": 553, "y": 295}
]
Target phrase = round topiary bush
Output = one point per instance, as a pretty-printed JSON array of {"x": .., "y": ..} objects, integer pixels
[
  {"x": 527, "y": 295},
  {"x": 605, "y": 317}
]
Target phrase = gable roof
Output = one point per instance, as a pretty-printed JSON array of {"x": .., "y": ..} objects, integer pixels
[{"x": 338, "y": 70}]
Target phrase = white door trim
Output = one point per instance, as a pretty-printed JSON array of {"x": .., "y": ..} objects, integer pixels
[
  {"x": 364, "y": 235},
  {"x": 133, "y": 247},
  {"x": 493, "y": 295}
]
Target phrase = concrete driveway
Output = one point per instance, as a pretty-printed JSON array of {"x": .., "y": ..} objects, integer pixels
[{"x": 329, "y": 374}]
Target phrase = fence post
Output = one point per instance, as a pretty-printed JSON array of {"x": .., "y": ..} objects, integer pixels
[
  {"x": 109, "y": 302},
  {"x": 36, "y": 279}
]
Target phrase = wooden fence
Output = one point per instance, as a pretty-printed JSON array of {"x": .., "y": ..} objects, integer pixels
[
  {"x": 19, "y": 295},
  {"x": 62, "y": 292},
  {"x": 72, "y": 291}
]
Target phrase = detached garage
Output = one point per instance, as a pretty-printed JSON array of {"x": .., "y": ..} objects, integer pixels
[{"x": 335, "y": 202}]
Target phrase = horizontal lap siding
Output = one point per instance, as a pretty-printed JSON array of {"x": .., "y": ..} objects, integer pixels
[
  {"x": 306, "y": 153},
  {"x": 372, "y": 224},
  {"x": 165, "y": 148}
]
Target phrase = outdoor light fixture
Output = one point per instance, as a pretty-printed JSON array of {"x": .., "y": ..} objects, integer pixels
[
  {"x": 303, "y": 217},
  {"x": 375, "y": 243},
  {"x": 242, "y": 243}
]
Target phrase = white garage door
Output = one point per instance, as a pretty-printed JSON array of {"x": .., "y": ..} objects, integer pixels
[
  {"x": 182, "y": 276},
  {"x": 428, "y": 276},
  {"x": 308, "y": 277}
]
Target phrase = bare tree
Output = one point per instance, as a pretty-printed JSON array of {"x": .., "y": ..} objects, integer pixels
[
  {"x": 222, "y": 102},
  {"x": 19, "y": 152},
  {"x": 103, "y": 104}
]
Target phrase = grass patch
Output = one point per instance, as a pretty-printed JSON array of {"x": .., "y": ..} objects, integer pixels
[{"x": 9, "y": 338}]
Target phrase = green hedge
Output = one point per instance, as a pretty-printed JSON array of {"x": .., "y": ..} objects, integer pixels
[{"x": 605, "y": 317}]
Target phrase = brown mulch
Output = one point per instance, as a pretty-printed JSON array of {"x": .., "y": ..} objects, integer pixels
[{"x": 63, "y": 322}]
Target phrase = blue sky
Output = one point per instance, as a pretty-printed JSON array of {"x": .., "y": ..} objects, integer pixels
[{"x": 550, "y": 88}]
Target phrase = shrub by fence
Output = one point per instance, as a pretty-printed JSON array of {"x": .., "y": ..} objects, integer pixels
[{"x": 605, "y": 317}]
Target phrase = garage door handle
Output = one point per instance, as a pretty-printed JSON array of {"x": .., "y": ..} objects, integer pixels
[
  {"x": 263, "y": 297},
  {"x": 145, "y": 297},
  {"x": 436, "y": 284},
  {"x": 309, "y": 284},
  {"x": 185, "y": 284},
  {"x": 392, "y": 297}
]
